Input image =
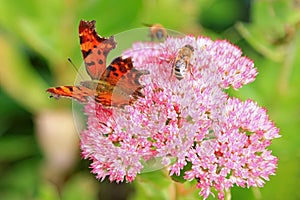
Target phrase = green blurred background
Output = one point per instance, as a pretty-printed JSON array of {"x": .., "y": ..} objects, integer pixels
[{"x": 39, "y": 150}]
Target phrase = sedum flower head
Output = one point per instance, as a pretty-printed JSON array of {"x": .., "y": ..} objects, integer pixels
[{"x": 185, "y": 121}]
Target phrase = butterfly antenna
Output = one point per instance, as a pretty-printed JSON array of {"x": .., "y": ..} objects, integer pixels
[{"x": 75, "y": 68}]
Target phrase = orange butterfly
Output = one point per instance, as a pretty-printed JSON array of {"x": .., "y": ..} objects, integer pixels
[{"x": 116, "y": 85}]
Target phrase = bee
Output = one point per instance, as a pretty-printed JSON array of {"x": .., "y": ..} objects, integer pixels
[
  {"x": 182, "y": 61},
  {"x": 157, "y": 31}
]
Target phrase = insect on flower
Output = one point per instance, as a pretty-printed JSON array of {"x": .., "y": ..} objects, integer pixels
[
  {"x": 182, "y": 61},
  {"x": 157, "y": 31},
  {"x": 116, "y": 85}
]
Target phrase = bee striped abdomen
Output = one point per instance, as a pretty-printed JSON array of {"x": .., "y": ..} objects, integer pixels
[
  {"x": 180, "y": 69},
  {"x": 182, "y": 61}
]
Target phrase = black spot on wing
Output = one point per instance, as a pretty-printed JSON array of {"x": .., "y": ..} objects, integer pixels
[
  {"x": 90, "y": 63},
  {"x": 108, "y": 70},
  {"x": 86, "y": 53},
  {"x": 105, "y": 53},
  {"x": 123, "y": 68},
  {"x": 111, "y": 68}
]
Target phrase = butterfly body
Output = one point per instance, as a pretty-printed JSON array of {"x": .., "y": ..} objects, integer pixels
[{"x": 116, "y": 85}]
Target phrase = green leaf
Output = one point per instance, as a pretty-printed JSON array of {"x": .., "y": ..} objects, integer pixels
[
  {"x": 152, "y": 185},
  {"x": 257, "y": 40},
  {"x": 19, "y": 180},
  {"x": 80, "y": 186},
  {"x": 180, "y": 178},
  {"x": 47, "y": 191},
  {"x": 19, "y": 79},
  {"x": 8, "y": 151}
]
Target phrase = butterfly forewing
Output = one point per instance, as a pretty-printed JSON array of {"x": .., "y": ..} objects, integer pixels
[
  {"x": 94, "y": 49},
  {"x": 116, "y": 70}
]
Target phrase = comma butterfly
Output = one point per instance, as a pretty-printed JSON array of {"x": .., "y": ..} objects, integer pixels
[{"x": 116, "y": 85}]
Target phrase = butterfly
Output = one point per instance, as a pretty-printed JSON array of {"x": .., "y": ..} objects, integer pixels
[{"x": 115, "y": 85}]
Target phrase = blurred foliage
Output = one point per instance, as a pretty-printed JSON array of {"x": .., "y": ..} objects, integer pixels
[{"x": 37, "y": 37}]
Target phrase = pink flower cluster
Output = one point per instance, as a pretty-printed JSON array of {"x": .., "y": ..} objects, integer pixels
[{"x": 190, "y": 120}]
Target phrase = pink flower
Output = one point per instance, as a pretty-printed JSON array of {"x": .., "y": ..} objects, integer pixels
[{"x": 190, "y": 120}]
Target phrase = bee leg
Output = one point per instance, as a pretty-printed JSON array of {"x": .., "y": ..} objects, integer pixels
[
  {"x": 172, "y": 70},
  {"x": 171, "y": 73},
  {"x": 190, "y": 69}
]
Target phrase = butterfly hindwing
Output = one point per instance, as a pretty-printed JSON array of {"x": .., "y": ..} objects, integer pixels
[
  {"x": 80, "y": 93},
  {"x": 125, "y": 78}
]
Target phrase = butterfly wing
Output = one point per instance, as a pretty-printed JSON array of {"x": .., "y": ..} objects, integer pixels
[
  {"x": 94, "y": 48},
  {"x": 84, "y": 92},
  {"x": 124, "y": 81},
  {"x": 79, "y": 93},
  {"x": 116, "y": 70}
]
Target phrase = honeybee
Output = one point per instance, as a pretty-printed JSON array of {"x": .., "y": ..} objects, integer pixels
[
  {"x": 157, "y": 31},
  {"x": 182, "y": 61}
]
